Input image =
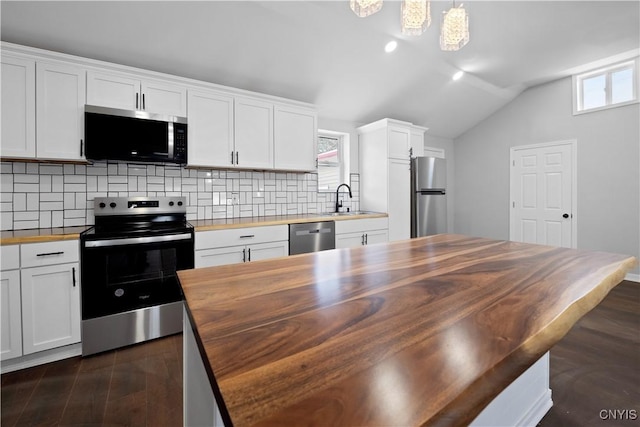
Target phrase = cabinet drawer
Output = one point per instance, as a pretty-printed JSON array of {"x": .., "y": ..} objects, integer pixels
[
  {"x": 241, "y": 236},
  {"x": 361, "y": 225},
  {"x": 9, "y": 257},
  {"x": 50, "y": 253}
]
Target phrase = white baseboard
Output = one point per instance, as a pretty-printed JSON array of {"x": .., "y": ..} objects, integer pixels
[
  {"x": 537, "y": 411},
  {"x": 633, "y": 277},
  {"x": 40, "y": 358}
]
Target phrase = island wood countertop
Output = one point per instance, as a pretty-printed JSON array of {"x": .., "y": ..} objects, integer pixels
[{"x": 420, "y": 332}]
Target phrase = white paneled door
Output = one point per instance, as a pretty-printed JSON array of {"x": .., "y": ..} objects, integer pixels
[{"x": 543, "y": 194}]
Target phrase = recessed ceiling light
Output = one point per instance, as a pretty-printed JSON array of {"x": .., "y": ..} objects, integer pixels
[
  {"x": 391, "y": 46},
  {"x": 458, "y": 75}
]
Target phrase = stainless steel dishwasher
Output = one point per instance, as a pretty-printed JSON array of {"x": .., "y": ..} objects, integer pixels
[{"x": 311, "y": 237}]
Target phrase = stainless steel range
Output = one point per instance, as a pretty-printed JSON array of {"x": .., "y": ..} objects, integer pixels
[{"x": 129, "y": 259}]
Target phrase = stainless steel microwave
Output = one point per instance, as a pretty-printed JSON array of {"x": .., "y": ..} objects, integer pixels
[{"x": 134, "y": 136}]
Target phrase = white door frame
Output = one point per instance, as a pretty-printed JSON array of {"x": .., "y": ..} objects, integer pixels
[{"x": 574, "y": 184}]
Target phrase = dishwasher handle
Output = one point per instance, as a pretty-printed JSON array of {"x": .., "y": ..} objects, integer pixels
[{"x": 314, "y": 231}]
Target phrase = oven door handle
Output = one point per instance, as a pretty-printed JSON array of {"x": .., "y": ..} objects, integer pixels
[{"x": 136, "y": 240}]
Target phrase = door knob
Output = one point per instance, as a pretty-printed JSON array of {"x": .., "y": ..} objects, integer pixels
[{"x": 565, "y": 215}]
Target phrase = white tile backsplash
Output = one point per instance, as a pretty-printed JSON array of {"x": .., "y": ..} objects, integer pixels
[{"x": 55, "y": 195}]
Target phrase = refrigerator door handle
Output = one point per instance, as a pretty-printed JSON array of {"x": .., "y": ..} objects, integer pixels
[{"x": 435, "y": 191}]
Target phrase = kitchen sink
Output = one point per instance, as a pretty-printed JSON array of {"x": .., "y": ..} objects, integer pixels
[{"x": 347, "y": 213}]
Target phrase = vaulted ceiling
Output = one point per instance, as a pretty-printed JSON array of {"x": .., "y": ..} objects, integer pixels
[{"x": 321, "y": 52}]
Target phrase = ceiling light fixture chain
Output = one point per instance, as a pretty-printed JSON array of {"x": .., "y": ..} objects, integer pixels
[{"x": 416, "y": 18}]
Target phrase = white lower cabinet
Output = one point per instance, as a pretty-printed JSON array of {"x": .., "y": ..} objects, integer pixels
[
  {"x": 40, "y": 297},
  {"x": 10, "y": 313},
  {"x": 50, "y": 307},
  {"x": 360, "y": 232},
  {"x": 232, "y": 246}
]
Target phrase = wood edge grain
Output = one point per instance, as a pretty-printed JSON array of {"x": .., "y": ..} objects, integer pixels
[
  {"x": 222, "y": 407},
  {"x": 6, "y": 241},
  {"x": 284, "y": 221},
  {"x": 468, "y": 405}
]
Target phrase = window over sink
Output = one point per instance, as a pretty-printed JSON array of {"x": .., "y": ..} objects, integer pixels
[{"x": 332, "y": 170}]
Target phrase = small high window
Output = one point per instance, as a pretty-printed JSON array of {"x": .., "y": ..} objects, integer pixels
[{"x": 606, "y": 87}]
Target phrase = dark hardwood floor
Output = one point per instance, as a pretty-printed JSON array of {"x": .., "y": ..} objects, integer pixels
[
  {"x": 134, "y": 386},
  {"x": 595, "y": 368}
]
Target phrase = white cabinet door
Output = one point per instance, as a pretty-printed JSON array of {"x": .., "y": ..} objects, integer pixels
[
  {"x": 253, "y": 130},
  {"x": 60, "y": 102},
  {"x": 399, "y": 200},
  {"x": 349, "y": 240},
  {"x": 220, "y": 256},
  {"x": 376, "y": 236},
  {"x": 399, "y": 142},
  {"x": 50, "y": 307},
  {"x": 18, "y": 107},
  {"x": 210, "y": 129},
  {"x": 128, "y": 92},
  {"x": 269, "y": 250},
  {"x": 295, "y": 135},
  {"x": 113, "y": 91},
  {"x": 163, "y": 98},
  {"x": 10, "y": 315},
  {"x": 417, "y": 141}
]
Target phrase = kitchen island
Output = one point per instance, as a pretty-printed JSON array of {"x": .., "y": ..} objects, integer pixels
[{"x": 420, "y": 332}]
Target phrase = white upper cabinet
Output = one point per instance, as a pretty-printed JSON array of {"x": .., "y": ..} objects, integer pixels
[
  {"x": 18, "y": 107},
  {"x": 60, "y": 99},
  {"x": 399, "y": 142},
  {"x": 253, "y": 130},
  {"x": 132, "y": 93},
  {"x": 295, "y": 138},
  {"x": 417, "y": 141},
  {"x": 210, "y": 130}
]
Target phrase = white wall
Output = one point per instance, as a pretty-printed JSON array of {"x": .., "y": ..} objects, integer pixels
[{"x": 608, "y": 141}]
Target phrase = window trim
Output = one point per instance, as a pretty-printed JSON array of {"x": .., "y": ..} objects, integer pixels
[{"x": 578, "y": 87}]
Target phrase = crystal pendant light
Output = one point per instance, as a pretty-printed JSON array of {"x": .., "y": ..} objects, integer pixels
[
  {"x": 416, "y": 16},
  {"x": 364, "y": 8},
  {"x": 454, "y": 31}
]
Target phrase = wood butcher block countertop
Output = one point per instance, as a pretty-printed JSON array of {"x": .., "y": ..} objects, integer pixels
[
  {"x": 70, "y": 233},
  {"x": 420, "y": 332}
]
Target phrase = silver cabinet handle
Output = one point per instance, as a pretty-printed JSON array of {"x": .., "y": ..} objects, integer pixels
[
  {"x": 249, "y": 250},
  {"x": 137, "y": 95},
  {"x": 366, "y": 239},
  {"x": 50, "y": 254},
  {"x": 237, "y": 158},
  {"x": 73, "y": 275},
  {"x": 232, "y": 157},
  {"x": 244, "y": 255},
  {"x": 248, "y": 236},
  {"x": 362, "y": 242}
]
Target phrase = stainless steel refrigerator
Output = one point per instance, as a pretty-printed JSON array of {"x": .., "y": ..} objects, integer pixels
[{"x": 428, "y": 196}]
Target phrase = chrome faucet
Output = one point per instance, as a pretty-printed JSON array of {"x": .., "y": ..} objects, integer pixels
[{"x": 339, "y": 202}]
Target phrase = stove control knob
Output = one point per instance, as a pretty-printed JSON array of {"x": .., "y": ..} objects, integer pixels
[
  {"x": 102, "y": 204},
  {"x": 170, "y": 203},
  {"x": 179, "y": 203},
  {"x": 112, "y": 204}
]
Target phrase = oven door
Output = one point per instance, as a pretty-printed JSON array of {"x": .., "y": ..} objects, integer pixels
[{"x": 125, "y": 274}]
